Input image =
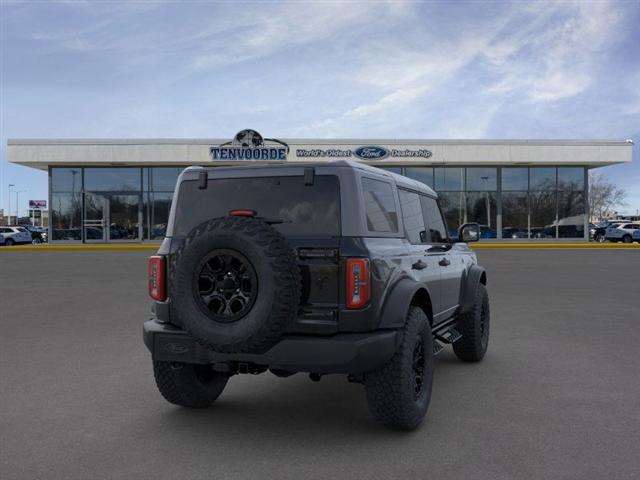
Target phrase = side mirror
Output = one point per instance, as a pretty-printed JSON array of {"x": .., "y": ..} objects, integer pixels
[{"x": 469, "y": 232}]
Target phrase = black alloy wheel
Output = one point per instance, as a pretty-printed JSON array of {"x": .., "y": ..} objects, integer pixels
[
  {"x": 225, "y": 285},
  {"x": 419, "y": 364}
]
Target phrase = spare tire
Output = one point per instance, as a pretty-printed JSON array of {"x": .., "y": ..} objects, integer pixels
[{"x": 235, "y": 284}]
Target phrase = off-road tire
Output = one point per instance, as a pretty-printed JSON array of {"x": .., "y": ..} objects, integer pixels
[
  {"x": 188, "y": 385},
  {"x": 391, "y": 393},
  {"x": 474, "y": 327},
  {"x": 277, "y": 276}
]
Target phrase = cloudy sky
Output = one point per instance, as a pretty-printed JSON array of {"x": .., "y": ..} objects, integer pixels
[{"x": 319, "y": 69}]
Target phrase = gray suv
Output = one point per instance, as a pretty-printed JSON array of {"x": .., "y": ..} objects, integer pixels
[{"x": 322, "y": 268}]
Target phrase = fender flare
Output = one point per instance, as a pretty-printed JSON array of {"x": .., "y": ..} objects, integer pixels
[
  {"x": 475, "y": 276},
  {"x": 396, "y": 308}
]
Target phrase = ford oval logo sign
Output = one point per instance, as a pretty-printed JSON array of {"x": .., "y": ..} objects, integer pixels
[{"x": 371, "y": 153}]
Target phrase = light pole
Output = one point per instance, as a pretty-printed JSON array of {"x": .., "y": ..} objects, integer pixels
[
  {"x": 9, "y": 214},
  {"x": 18, "y": 192}
]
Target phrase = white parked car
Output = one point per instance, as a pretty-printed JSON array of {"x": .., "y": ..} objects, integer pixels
[
  {"x": 15, "y": 235},
  {"x": 623, "y": 232},
  {"x": 636, "y": 235}
]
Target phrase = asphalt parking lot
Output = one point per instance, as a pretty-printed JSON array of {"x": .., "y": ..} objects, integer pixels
[{"x": 558, "y": 395}]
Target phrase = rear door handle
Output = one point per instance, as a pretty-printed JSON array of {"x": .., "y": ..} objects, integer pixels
[
  {"x": 419, "y": 265},
  {"x": 444, "y": 262}
]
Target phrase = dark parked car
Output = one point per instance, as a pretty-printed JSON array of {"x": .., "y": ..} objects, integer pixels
[
  {"x": 325, "y": 268},
  {"x": 38, "y": 234}
]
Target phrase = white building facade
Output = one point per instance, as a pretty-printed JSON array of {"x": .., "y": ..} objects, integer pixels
[{"x": 120, "y": 190}]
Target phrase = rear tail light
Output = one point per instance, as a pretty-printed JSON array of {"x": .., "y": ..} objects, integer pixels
[
  {"x": 157, "y": 278},
  {"x": 242, "y": 212},
  {"x": 358, "y": 282}
]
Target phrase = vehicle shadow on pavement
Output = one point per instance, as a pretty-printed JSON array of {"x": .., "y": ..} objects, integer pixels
[{"x": 265, "y": 406}]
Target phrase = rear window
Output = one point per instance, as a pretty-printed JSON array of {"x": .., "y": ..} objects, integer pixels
[
  {"x": 380, "y": 206},
  {"x": 311, "y": 210},
  {"x": 21, "y": 229}
]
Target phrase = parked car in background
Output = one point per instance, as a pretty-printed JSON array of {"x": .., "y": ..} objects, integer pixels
[
  {"x": 598, "y": 232},
  {"x": 1, "y": 239},
  {"x": 38, "y": 234},
  {"x": 487, "y": 232},
  {"x": 623, "y": 232},
  {"x": 514, "y": 232},
  {"x": 15, "y": 235},
  {"x": 636, "y": 235}
]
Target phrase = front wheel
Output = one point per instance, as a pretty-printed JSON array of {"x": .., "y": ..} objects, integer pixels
[
  {"x": 599, "y": 238},
  {"x": 188, "y": 385},
  {"x": 474, "y": 327},
  {"x": 36, "y": 241},
  {"x": 399, "y": 393},
  {"x": 9, "y": 242}
]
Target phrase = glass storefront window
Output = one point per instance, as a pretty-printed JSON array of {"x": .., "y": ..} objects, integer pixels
[
  {"x": 159, "y": 208},
  {"x": 449, "y": 179},
  {"x": 515, "y": 215},
  {"x": 543, "y": 214},
  {"x": 112, "y": 179},
  {"x": 542, "y": 178},
  {"x": 163, "y": 179},
  {"x": 421, "y": 174},
  {"x": 66, "y": 179},
  {"x": 515, "y": 179},
  {"x": 571, "y": 178},
  {"x": 571, "y": 211},
  {"x": 453, "y": 209},
  {"x": 482, "y": 208},
  {"x": 482, "y": 179},
  {"x": 66, "y": 216}
]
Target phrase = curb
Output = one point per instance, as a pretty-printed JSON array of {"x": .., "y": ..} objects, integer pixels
[
  {"x": 49, "y": 248},
  {"x": 476, "y": 246},
  {"x": 555, "y": 246}
]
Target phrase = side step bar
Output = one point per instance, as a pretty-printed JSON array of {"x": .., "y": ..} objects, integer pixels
[{"x": 445, "y": 335}]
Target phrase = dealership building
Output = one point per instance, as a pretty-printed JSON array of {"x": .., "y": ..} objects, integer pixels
[{"x": 120, "y": 190}]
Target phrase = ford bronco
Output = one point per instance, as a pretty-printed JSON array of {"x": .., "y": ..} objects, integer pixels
[{"x": 324, "y": 268}]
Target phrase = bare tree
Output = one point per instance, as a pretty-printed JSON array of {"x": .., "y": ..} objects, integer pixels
[{"x": 604, "y": 196}]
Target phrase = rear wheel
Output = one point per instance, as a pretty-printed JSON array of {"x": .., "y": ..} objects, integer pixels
[
  {"x": 399, "y": 393},
  {"x": 626, "y": 239},
  {"x": 188, "y": 385},
  {"x": 474, "y": 327}
]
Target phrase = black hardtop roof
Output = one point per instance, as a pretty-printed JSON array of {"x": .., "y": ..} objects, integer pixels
[{"x": 400, "y": 180}]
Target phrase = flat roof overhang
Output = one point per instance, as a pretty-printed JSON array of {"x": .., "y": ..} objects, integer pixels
[{"x": 44, "y": 153}]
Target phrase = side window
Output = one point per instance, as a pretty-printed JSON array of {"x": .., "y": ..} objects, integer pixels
[
  {"x": 380, "y": 206},
  {"x": 412, "y": 216},
  {"x": 436, "y": 231}
]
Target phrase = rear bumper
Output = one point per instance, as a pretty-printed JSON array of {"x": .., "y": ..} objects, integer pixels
[{"x": 342, "y": 353}]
